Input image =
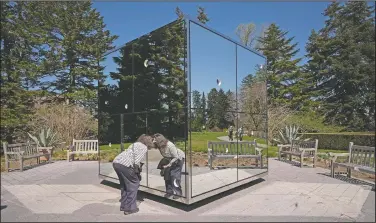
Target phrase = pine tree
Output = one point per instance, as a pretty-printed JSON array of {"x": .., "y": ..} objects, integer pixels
[
  {"x": 204, "y": 106},
  {"x": 342, "y": 65},
  {"x": 76, "y": 40},
  {"x": 282, "y": 69},
  {"x": 201, "y": 14},
  {"x": 211, "y": 108},
  {"x": 19, "y": 67},
  {"x": 220, "y": 111}
]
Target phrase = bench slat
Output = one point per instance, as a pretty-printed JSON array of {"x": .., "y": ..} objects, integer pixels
[
  {"x": 361, "y": 158},
  {"x": 20, "y": 152},
  {"x": 302, "y": 149},
  {"x": 83, "y": 147},
  {"x": 234, "y": 150}
]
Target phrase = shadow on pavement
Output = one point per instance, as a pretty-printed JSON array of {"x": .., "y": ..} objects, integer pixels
[
  {"x": 351, "y": 180},
  {"x": 31, "y": 166},
  {"x": 141, "y": 195},
  {"x": 293, "y": 162},
  {"x": 3, "y": 207}
]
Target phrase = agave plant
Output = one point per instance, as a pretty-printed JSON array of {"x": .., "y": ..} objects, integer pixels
[
  {"x": 46, "y": 138},
  {"x": 289, "y": 135}
]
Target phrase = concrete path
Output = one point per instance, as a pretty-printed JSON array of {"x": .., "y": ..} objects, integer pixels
[{"x": 65, "y": 191}]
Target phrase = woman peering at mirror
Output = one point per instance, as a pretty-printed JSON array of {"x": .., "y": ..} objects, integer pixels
[
  {"x": 175, "y": 159},
  {"x": 128, "y": 167}
]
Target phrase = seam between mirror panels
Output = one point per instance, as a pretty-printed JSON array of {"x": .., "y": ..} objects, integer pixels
[
  {"x": 267, "y": 118},
  {"x": 236, "y": 109},
  {"x": 189, "y": 189},
  {"x": 186, "y": 126},
  {"x": 222, "y": 35}
]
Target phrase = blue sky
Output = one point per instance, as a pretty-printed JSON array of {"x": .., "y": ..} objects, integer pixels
[{"x": 216, "y": 58}]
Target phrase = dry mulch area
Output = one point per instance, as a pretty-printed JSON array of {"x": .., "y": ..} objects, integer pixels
[
  {"x": 325, "y": 163},
  {"x": 200, "y": 159}
]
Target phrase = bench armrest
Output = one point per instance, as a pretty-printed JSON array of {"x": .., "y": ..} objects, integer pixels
[
  {"x": 49, "y": 150},
  {"x": 307, "y": 150},
  {"x": 334, "y": 156},
  {"x": 259, "y": 150},
  {"x": 283, "y": 147},
  {"x": 13, "y": 153},
  {"x": 210, "y": 151}
]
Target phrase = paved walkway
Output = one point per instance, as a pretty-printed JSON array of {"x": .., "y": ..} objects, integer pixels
[{"x": 65, "y": 191}]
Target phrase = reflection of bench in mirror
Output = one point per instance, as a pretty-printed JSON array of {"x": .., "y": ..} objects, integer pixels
[
  {"x": 203, "y": 179},
  {"x": 235, "y": 151}
]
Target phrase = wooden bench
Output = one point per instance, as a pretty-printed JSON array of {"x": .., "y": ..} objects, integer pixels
[
  {"x": 83, "y": 147},
  {"x": 21, "y": 152},
  {"x": 301, "y": 149},
  {"x": 360, "y": 158},
  {"x": 217, "y": 150}
]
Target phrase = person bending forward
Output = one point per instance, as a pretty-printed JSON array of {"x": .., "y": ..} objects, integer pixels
[
  {"x": 127, "y": 166},
  {"x": 176, "y": 156}
]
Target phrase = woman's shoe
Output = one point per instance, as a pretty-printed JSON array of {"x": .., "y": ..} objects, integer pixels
[
  {"x": 131, "y": 212},
  {"x": 167, "y": 195}
]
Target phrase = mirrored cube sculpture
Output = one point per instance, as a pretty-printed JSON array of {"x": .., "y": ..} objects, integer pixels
[{"x": 203, "y": 91}]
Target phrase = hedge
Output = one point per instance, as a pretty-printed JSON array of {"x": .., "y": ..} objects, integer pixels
[{"x": 340, "y": 141}]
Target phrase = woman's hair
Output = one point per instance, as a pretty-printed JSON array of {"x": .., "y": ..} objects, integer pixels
[
  {"x": 146, "y": 140},
  {"x": 160, "y": 141}
]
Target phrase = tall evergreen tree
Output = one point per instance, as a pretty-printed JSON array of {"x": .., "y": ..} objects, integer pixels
[
  {"x": 197, "y": 111},
  {"x": 76, "y": 40},
  {"x": 204, "y": 106},
  {"x": 201, "y": 14},
  {"x": 342, "y": 65},
  {"x": 19, "y": 66},
  {"x": 196, "y": 99},
  {"x": 282, "y": 71},
  {"x": 219, "y": 110}
]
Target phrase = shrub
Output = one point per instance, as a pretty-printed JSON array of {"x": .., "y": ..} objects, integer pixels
[
  {"x": 45, "y": 138},
  {"x": 341, "y": 141},
  {"x": 311, "y": 122},
  {"x": 215, "y": 129},
  {"x": 277, "y": 119},
  {"x": 67, "y": 121}
]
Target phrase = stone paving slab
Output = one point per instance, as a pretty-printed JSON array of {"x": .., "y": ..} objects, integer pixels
[
  {"x": 206, "y": 181},
  {"x": 296, "y": 199},
  {"x": 288, "y": 194}
]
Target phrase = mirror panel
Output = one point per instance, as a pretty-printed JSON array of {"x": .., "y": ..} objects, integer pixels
[
  {"x": 159, "y": 90},
  {"x": 109, "y": 144},
  {"x": 172, "y": 125},
  {"x": 212, "y": 95},
  {"x": 213, "y": 117},
  {"x": 252, "y": 117},
  {"x": 108, "y": 121}
]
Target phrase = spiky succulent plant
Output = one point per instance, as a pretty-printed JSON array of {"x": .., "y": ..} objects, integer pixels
[
  {"x": 290, "y": 134},
  {"x": 46, "y": 138}
]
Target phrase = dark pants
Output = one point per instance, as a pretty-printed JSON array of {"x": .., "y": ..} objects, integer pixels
[
  {"x": 129, "y": 183},
  {"x": 173, "y": 185}
]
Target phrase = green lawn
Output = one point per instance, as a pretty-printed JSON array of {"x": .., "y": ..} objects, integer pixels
[
  {"x": 113, "y": 147},
  {"x": 199, "y": 144}
]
